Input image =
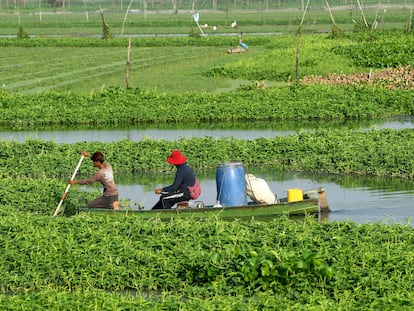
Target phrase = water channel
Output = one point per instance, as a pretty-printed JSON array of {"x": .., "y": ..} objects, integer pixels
[
  {"x": 356, "y": 199},
  {"x": 173, "y": 132}
]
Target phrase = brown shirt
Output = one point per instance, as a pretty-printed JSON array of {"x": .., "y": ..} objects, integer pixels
[{"x": 106, "y": 177}]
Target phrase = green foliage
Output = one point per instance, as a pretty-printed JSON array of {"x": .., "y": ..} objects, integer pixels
[
  {"x": 201, "y": 64},
  {"x": 21, "y": 34},
  {"x": 106, "y": 34},
  {"x": 93, "y": 262},
  {"x": 361, "y": 25},
  {"x": 267, "y": 271},
  {"x": 409, "y": 24},
  {"x": 134, "y": 106},
  {"x": 388, "y": 50},
  {"x": 336, "y": 31},
  {"x": 320, "y": 57},
  {"x": 71, "y": 42},
  {"x": 41, "y": 195}
]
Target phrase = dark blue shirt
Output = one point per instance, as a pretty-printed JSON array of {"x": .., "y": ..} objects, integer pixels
[{"x": 184, "y": 178}]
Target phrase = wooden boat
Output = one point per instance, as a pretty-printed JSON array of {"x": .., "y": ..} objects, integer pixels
[{"x": 314, "y": 202}]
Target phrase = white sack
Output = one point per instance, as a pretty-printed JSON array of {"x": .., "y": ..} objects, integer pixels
[{"x": 258, "y": 190}]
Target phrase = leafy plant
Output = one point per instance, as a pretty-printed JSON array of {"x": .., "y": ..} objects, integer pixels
[
  {"x": 106, "y": 34},
  {"x": 21, "y": 34}
]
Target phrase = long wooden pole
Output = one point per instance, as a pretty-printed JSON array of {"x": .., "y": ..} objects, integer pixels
[
  {"x": 298, "y": 44},
  {"x": 125, "y": 17},
  {"x": 127, "y": 63},
  {"x": 362, "y": 13},
  {"x": 375, "y": 22},
  {"x": 330, "y": 12},
  {"x": 68, "y": 186}
]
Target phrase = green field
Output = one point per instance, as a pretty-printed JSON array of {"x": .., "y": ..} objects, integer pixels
[
  {"x": 93, "y": 69},
  {"x": 177, "y": 65},
  {"x": 86, "y": 63},
  {"x": 83, "y": 18}
]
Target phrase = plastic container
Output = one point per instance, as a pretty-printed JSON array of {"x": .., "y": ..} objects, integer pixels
[
  {"x": 231, "y": 185},
  {"x": 294, "y": 195}
]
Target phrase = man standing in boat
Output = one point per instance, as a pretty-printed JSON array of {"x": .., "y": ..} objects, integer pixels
[
  {"x": 178, "y": 191},
  {"x": 105, "y": 176}
]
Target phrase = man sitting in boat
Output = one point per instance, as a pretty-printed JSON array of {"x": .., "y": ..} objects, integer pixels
[{"x": 178, "y": 191}]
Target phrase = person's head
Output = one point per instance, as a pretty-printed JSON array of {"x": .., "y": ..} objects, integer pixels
[
  {"x": 176, "y": 158},
  {"x": 98, "y": 157}
]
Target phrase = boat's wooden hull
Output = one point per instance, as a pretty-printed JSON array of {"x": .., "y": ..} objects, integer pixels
[{"x": 307, "y": 206}]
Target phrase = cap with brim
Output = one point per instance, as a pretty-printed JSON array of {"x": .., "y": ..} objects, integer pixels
[{"x": 176, "y": 158}]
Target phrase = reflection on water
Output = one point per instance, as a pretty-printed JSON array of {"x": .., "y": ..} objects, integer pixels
[
  {"x": 356, "y": 199},
  {"x": 246, "y": 130}
]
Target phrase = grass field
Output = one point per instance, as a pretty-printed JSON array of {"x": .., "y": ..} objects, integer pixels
[
  {"x": 177, "y": 65},
  {"x": 168, "y": 69}
]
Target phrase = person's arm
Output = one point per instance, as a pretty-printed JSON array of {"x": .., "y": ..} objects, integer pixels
[
  {"x": 88, "y": 181},
  {"x": 178, "y": 180},
  {"x": 86, "y": 154},
  {"x": 175, "y": 185}
]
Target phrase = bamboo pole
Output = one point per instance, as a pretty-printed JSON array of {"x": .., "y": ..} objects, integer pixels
[
  {"x": 330, "y": 12},
  {"x": 145, "y": 10},
  {"x": 127, "y": 63},
  {"x": 362, "y": 12},
  {"x": 125, "y": 17},
  {"x": 40, "y": 10},
  {"x": 195, "y": 17},
  {"x": 410, "y": 21},
  {"x": 57, "y": 211},
  {"x": 298, "y": 45},
  {"x": 382, "y": 18},
  {"x": 86, "y": 10},
  {"x": 375, "y": 23}
]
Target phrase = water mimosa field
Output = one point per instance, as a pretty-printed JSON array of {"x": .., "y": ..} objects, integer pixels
[{"x": 96, "y": 262}]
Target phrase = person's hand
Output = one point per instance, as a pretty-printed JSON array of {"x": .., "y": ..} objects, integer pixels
[
  {"x": 86, "y": 153},
  {"x": 73, "y": 182},
  {"x": 158, "y": 191}
]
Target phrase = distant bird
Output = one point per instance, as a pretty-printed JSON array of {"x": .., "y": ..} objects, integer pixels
[{"x": 234, "y": 25}]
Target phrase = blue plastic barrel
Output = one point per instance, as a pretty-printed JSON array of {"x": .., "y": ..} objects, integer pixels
[{"x": 231, "y": 185}]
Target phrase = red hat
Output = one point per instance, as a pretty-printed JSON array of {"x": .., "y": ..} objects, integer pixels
[{"x": 176, "y": 158}]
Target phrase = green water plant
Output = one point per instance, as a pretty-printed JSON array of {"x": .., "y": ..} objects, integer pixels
[{"x": 207, "y": 263}]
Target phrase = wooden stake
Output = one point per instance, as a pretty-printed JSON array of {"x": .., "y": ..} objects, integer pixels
[
  {"x": 330, "y": 13},
  {"x": 323, "y": 202},
  {"x": 125, "y": 17},
  {"x": 362, "y": 12},
  {"x": 127, "y": 63},
  {"x": 298, "y": 45}
]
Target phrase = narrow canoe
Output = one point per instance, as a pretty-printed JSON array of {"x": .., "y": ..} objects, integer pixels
[{"x": 310, "y": 205}]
